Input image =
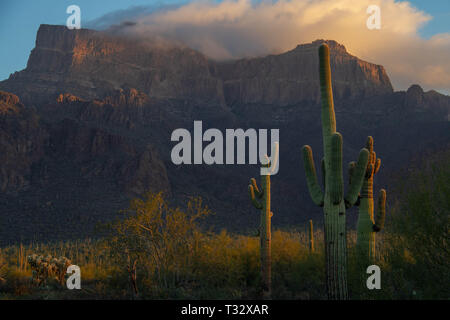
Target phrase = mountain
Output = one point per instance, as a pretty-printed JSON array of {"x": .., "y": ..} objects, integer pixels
[
  {"x": 87, "y": 125},
  {"x": 91, "y": 64}
]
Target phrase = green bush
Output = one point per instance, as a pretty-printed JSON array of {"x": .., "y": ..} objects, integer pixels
[{"x": 420, "y": 233}]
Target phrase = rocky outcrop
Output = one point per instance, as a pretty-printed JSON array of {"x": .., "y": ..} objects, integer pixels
[
  {"x": 60, "y": 177},
  {"x": 291, "y": 78},
  {"x": 27, "y": 144},
  {"x": 91, "y": 64},
  {"x": 22, "y": 143},
  {"x": 122, "y": 108},
  {"x": 415, "y": 99},
  {"x": 101, "y": 154}
]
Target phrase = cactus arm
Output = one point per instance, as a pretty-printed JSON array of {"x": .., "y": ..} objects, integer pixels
[
  {"x": 351, "y": 170},
  {"x": 271, "y": 166},
  {"x": 369, "y": 144},
  {"x": 322, "y": 164},
  {"x": 377, "y": 166},
  {"x": 369, "y": 171},
  {"x": 381, "y": 211},
  {"x": 258, "y": 193},
  {"x": 336, "y": 179},
  {"x": 255, "y": 202},
  {"x": 357, "y": 178},
  {"x": 311, "y": 178}
]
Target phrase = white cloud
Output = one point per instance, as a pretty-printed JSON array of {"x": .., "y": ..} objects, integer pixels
[{"x": 238, "y": 28}]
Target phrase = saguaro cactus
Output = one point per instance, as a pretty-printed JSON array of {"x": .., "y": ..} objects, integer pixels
[
  {"x": 367, "y": 226},
  {"x": 261, "y": 200},
  {"x": 333, "y": 200},
  {"x": 264, "y": 232},
  {"x": 311, "y": 236}
]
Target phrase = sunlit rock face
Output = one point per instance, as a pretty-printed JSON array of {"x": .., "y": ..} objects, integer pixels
[
  {"x": 91, "y": 64},
  {"x": 291, "y": 78}
]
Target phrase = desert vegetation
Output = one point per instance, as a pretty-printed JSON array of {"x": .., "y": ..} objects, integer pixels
[{"x": 157, "y": 251}]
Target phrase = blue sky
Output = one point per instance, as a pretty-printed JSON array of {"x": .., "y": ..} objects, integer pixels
[
  {"x": 440, "y": 10},
  {"x": 20, "y": 20}
]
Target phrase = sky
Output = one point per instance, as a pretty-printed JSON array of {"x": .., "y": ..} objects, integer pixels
[{"x": 413, "y": 43}]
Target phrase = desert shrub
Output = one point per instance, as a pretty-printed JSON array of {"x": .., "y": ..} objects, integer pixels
[
  {"x": 164, "y": 253},
  {"x": 297, "y": 272},
  {"x": 158, "y": 240},
  {"x": 419, "y": 251},
  {"x": 17, "y": 282},
  {"x": 46, "y": 267},
  {"x": 3, "y": 268}
]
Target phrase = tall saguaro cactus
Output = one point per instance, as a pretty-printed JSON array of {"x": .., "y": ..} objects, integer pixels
[
  {"x": 311, "y": 236},
  {"x": 265, "y": 236},
  {"x": 367, "y": 226},
  {"x": 333, "y": 201},
  {"x": 261, "y": 200}
]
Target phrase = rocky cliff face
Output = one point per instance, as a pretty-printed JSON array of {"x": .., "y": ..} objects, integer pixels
[
  {"x": 98, "y": 153},
  {"x": 291, "y": 78},
  {"x": 415, "y": 99},
  {"x": 25, "y": 140},
  {"x": 97, "y": 66},
  {"x": 92, "y": 64},
  {"x": 56, "y": 171},
  {"x": 22, "y": 143}
]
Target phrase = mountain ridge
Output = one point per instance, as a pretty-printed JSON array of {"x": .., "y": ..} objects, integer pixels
[{"x": 90, "y": 63}]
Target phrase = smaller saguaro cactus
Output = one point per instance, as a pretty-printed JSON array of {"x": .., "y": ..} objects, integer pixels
[
  {"x": 367, "y": 224},
  {"x": 260, "y": 198},
  {"x": 311, "y": 236},
  {"x": 21, "y": 257}
]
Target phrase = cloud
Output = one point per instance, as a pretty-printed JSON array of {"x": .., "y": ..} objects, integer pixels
[{"x": 242, "y": 28}]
